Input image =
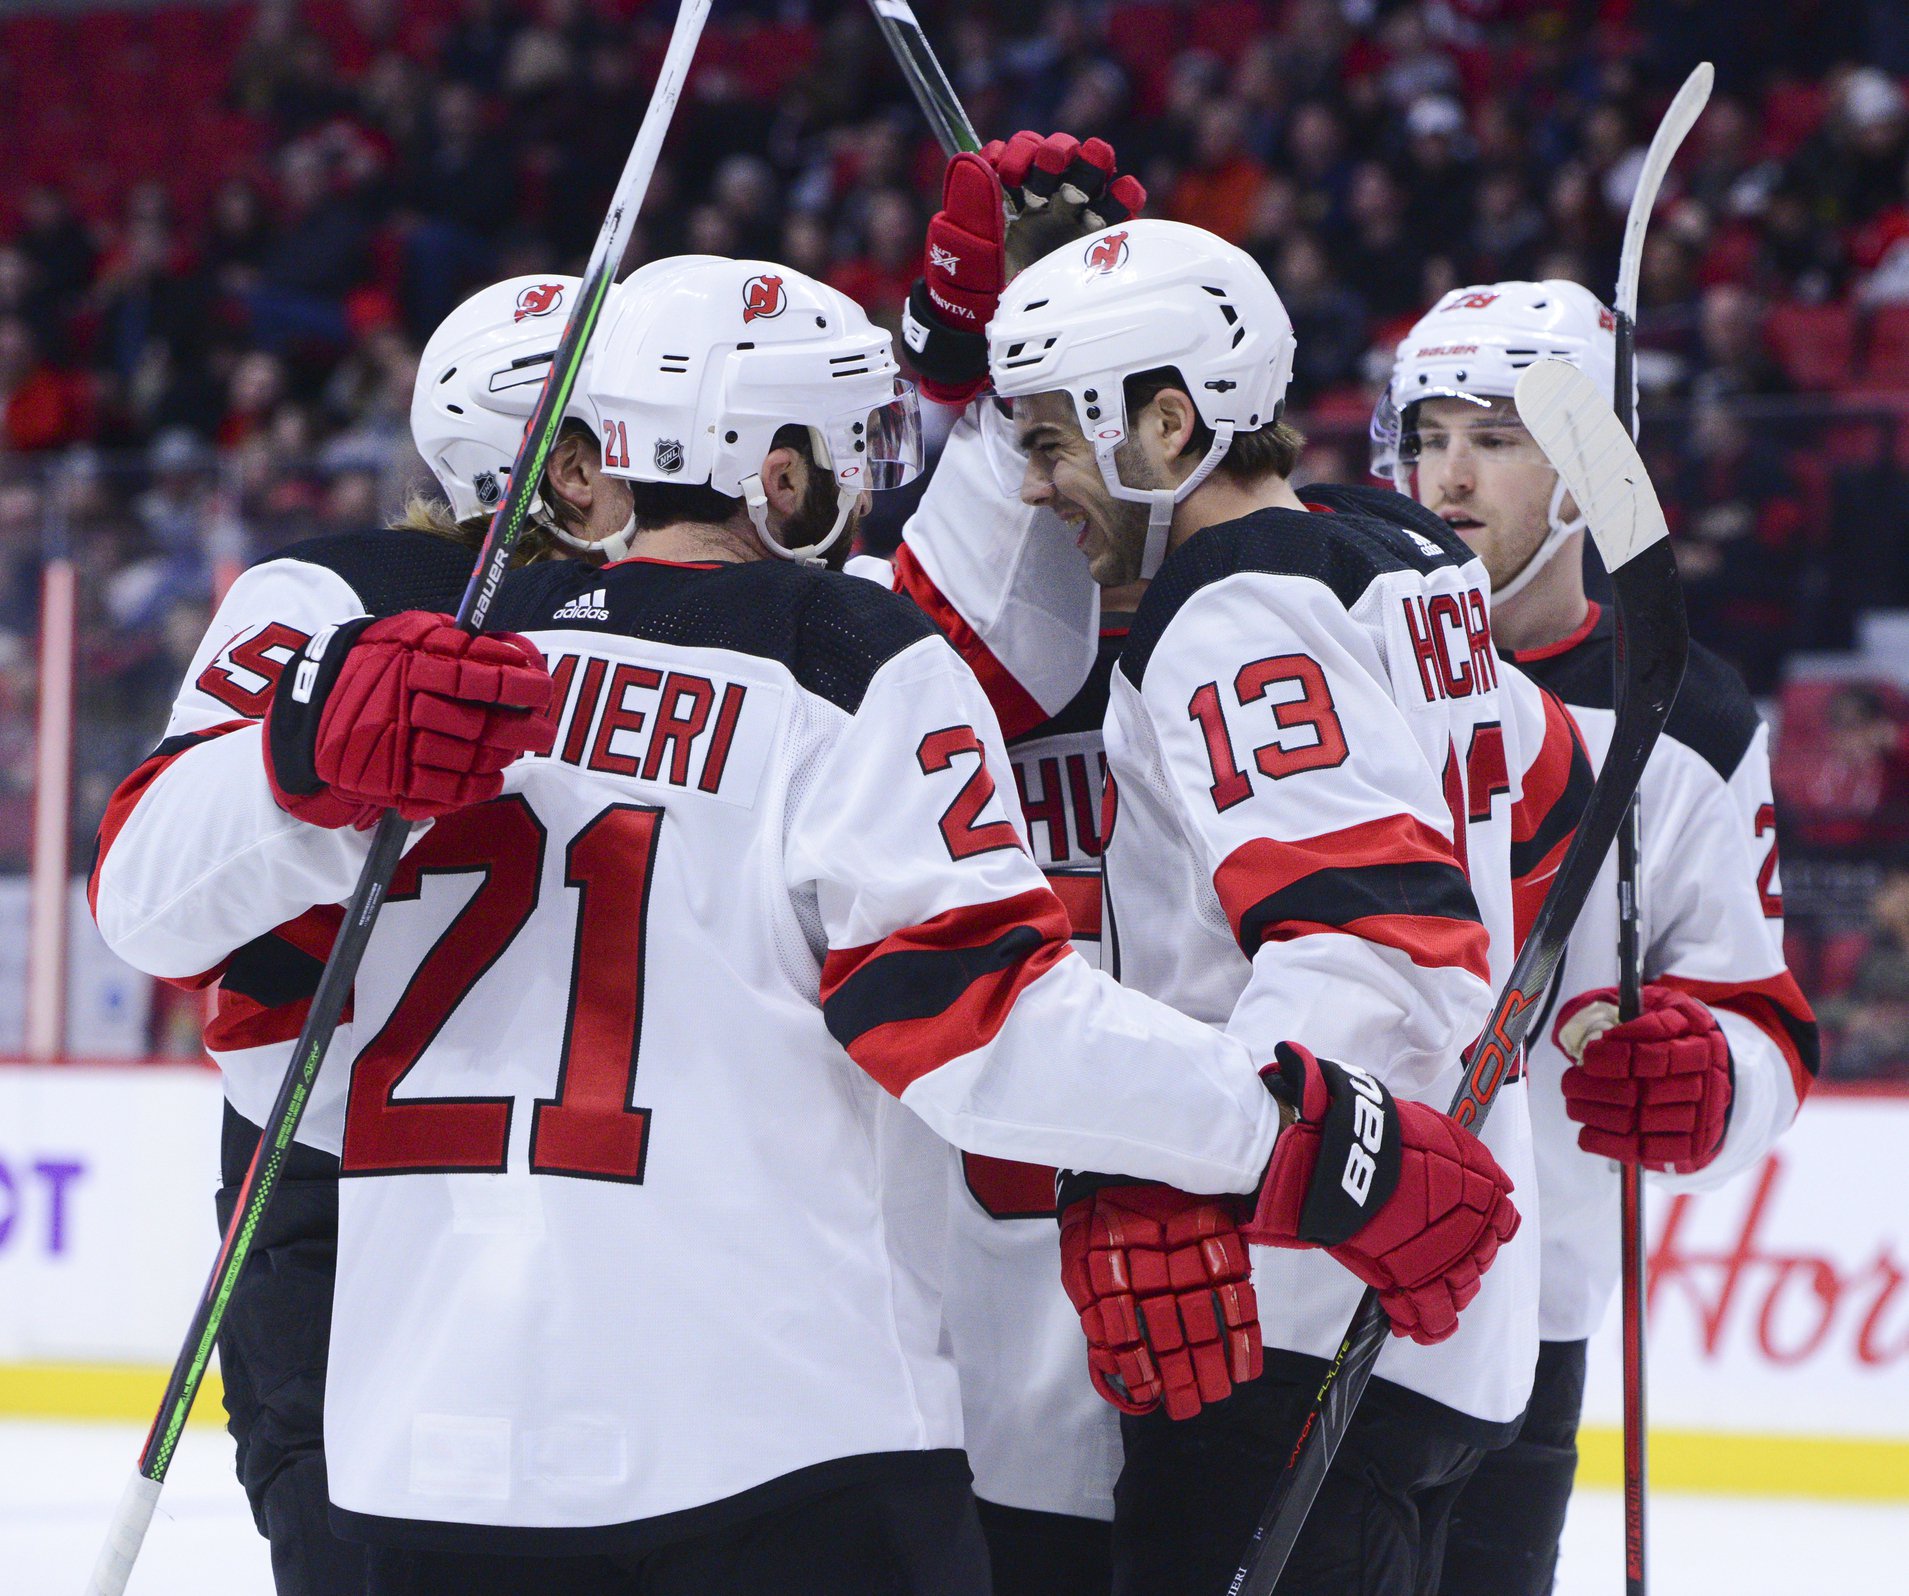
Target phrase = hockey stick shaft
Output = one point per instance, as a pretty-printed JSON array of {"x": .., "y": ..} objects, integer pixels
[
  {"x": 254, "y": 1196},
  {"x": 922, "y": 68},
  {"x": 1679, "y": 118},
  {"x": 1648, "y": 597}
]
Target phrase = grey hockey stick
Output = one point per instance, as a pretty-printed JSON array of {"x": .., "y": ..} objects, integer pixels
[
  {"x": 922, "y": 68},
  {"x": 1678, "y": 120},
  {"x": 1582, "y": 438},
  {"x": 127, "y": 1532}
]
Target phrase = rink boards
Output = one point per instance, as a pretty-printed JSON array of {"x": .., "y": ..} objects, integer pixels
[{"x": 1779, "y": 1341}]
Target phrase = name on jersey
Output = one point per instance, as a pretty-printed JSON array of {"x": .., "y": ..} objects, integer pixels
[
  {"x": 1060, "y": 798},
  {"x": 651, "y": 723},
  {"x": 1450, "y": 638}
]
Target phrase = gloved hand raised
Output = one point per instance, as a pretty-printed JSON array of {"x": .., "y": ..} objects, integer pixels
[
  {"x": 1058, "y": 189},
  {"x": 409, "y": 713}
]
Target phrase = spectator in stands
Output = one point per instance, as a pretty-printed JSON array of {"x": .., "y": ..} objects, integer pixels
[
  {"x": 1377, "y": 249},
  {"x": 1854, "y": 163},
  {"x": 1732, "y": 360},
  {"x": 1329, "y": 320},
  {"x": 1223, "y": 180},
  {"x": 1869, "y": 1023},
  {"x": 1853, "y": 795},
  {"x": 40, "y": 408},
  {"x": 1440, "y": 178}
]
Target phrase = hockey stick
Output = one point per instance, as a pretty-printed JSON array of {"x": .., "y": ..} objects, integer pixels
[
  {"x": 1678, "y": 120},
  {"x": 1594, "y": 455},
  {"x": 134, "y": 1512},
  {"x": 922, "y": 68}
]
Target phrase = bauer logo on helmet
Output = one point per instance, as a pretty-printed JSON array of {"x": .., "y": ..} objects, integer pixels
[
  {"x": 539, "y": 299},
  {"x": 763, "y": 296},
  {"x": 1109, "y": 253}
]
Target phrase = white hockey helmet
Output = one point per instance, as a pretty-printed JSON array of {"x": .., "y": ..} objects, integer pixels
[
  {"x": 1473, "y": 344},
  {"x": 1132, "y": 298},
  {"x": 696, "y": 372},
  {"x": 478, "y": 381}
]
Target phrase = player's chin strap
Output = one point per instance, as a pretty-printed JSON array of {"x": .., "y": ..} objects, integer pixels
[
  {"x": 1558, "y": 532},
  {"x": 613, "y": 548},
  {"x": 1160, "y": 502},
  {"x": 758, "y": 504}
]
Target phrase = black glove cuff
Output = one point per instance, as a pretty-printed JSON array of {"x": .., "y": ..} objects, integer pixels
[
  {"x": 1077, "y": 1185},
  {"x": 1359, "y": 1158},
  {"x": 941, "y": 353},
  {"x": 298, "y": 705}
]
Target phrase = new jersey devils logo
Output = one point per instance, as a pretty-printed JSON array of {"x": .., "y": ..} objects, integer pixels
[
  {"x": 763, "y": 296},
  {"x": 539, "y": 299},
  {"x": 1105, "y": 254}
]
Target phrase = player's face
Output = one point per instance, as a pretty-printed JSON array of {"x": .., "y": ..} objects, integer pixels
[
  {"x": 1063, "y": 475},
  {"x": 1485, "y": 475}
]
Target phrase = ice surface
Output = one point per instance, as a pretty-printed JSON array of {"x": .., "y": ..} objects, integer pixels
[{"x": 58, "y": 1484}]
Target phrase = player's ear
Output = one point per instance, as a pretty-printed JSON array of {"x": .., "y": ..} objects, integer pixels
[
  {"x": 1175, "y": 418},
  {"x": 785, "y": 478},
  {"x": 571, "y": 471}
]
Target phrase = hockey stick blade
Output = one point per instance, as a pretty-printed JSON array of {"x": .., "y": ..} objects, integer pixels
[
  {"x": 1578, "y": 430},
  {"x": 1679, "y": 117},
  {"x": 929, "y": 82},
  {"x": 126, "y": 1532}
]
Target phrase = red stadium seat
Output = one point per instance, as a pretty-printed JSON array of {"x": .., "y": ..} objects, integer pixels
[
  {"x": 1791, "y": 113},
  {"x": 1886, "y": 361},
  {"x": 1814, "y": 344}
]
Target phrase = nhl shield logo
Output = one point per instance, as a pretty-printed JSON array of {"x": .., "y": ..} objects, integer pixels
[
  {"x": 484, "y": 485},
  {"x": 1109, "y": 253},
  {"x": 763, "y": 296},
  {"x": 539, "y": 299},
  {"x": 669, "y": 454}
]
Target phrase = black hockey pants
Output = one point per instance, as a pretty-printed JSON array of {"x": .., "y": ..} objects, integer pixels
[
  {"x": 1047, "y": 1554},
  {"x": 272, "y": 1348},
  {"x": 1505, "y": 1529},
  {"x": 913, "y": 1537},
  {"x": 1192, "y": 1490}
]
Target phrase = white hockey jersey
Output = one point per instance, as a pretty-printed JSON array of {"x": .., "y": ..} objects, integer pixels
[
  {"x": 1006, "y": 585},
  {"x": 631, "y": 1226},
  {"x": 1711, "y": 912},
  {"x": 1318, "y": 772},
  {"x": 157, "y": 919}
]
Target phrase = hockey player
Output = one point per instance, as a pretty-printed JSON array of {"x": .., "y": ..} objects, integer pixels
[
  {"x": 478, "y": 379},
  {"x": 763, "y": 875},
  {"x": 1309, "y": 740},
  {"x": 1698, "y": 1087}
]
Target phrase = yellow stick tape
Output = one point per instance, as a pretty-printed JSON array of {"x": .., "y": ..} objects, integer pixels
[
  {"x": 125, "y": 1391},
  {"x": 1834, "y": 1467}
]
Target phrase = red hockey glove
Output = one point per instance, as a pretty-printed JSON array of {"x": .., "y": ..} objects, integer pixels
[
  {"x": 1058, "y": 188},
  {"x": 409, "y": 713},
  {"x": 1402, "y": 1195},
  {"x": 1655, "y": 1090},
  {"x": 1164, "y": 1291}
]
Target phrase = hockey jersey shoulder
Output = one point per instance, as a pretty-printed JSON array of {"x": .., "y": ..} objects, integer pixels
[
  {"x": 1713, "y": 716},
  {"x": 1086, "y": 711},
  {"x": 1362, "y": 535},
  {"x": 833, "y": 632},
  {"x": 390, "y": 569}
]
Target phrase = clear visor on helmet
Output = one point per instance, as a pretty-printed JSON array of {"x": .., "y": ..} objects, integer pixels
[
  {"x": 880, "y": 448},
  {"x": 1491, "y": 429}
]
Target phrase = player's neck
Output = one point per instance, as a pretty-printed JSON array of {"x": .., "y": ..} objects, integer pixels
[
  {"x": 1552, "y": 608},
  {"x": 692, "y": 541},
  {"x": 1221, "y": 498}
]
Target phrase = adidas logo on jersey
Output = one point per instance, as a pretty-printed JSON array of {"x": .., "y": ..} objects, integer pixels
[
  {"x": 584, "y": 607},
  {"x": 1425, "y": 545}
]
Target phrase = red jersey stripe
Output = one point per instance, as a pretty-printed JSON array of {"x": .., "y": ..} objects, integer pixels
[
  {"x": 1775, "y": 1005},
  {"x": 1256, "y": 870},
  {"x": 1014, "y": 706},
  {"x": 125, "y": 799},
  {"x": 931, "y": 992}
]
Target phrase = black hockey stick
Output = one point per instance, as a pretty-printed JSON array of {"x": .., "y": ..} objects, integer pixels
[
  {"x": 134, "y": 1512},
  {"x": 922, "y": 68},
  {"x": 1678, "y": 120},
  {"x": 1574, "y": 425}
]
